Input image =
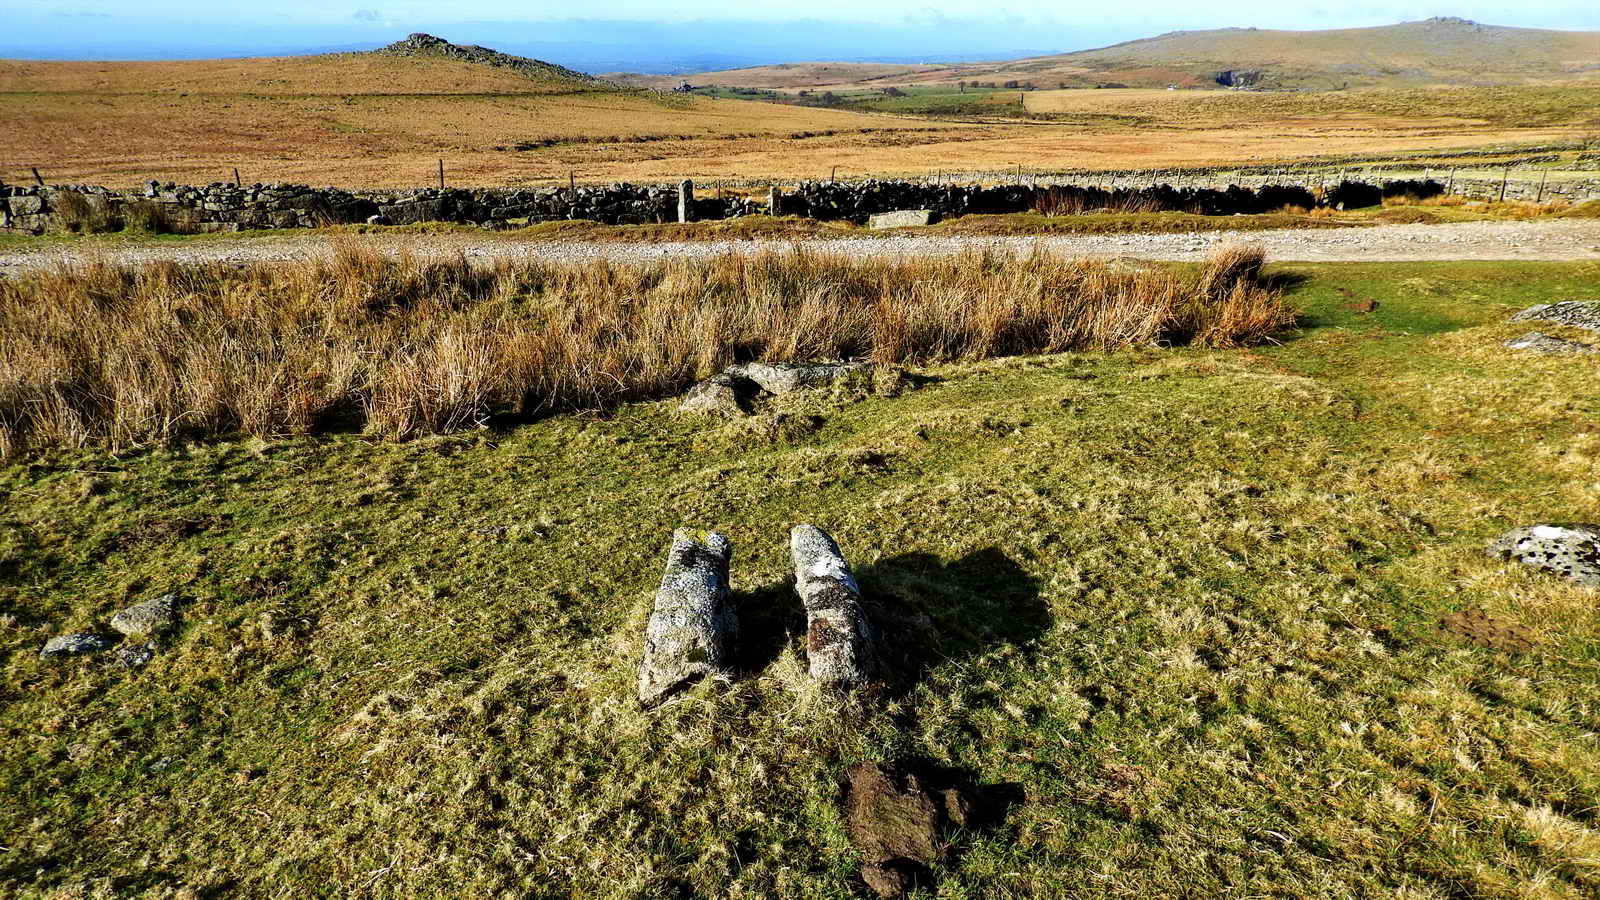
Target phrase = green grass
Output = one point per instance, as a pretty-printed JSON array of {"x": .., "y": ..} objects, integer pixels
[{"x": 1182, "y": 605}]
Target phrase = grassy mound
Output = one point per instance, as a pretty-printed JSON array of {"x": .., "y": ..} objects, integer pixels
[{"x": 1200, "y": 617}]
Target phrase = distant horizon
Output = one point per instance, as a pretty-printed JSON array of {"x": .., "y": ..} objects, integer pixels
[{"x": 651, "y": 47}]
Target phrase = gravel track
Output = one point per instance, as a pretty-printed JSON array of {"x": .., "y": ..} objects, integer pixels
[{"x": 1575, "y": 239}]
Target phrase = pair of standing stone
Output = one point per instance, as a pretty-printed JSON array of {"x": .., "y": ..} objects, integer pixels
[{"x": 693, "y": 627}]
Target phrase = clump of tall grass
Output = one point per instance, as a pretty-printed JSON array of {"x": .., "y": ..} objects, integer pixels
[{"x": 96, "y": 353}]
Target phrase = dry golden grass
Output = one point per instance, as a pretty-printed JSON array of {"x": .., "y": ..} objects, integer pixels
[
  {"x": 103, "y": 354},
  {"x": 374, "y": 121}
]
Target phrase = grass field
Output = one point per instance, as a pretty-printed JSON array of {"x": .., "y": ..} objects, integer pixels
[
  {"x": 365, "y": 121},
  {"x": 1179, "y": 607}
]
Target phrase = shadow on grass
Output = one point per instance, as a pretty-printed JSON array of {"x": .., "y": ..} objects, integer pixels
[{"x": 926, "y": 611}]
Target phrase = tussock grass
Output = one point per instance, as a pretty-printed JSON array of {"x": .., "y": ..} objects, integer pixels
[{"x": 403, "y": 346}]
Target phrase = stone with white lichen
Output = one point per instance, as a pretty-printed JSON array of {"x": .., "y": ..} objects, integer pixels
[
  {"x": 1570, "y": 551},
  {"x": 839, "y": 639}
]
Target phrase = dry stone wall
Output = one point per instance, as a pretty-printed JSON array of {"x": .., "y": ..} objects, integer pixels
[{"x": 229, "y": 207}]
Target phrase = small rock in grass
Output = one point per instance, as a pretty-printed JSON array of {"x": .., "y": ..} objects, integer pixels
[
  {"x": 1539, "y": 342},
  {"x": 150, "y": 617},
  {"x": 74, "y": 644},
  {"x": 134, "y": 656},
  {"x": 1577, "y": 313},
  {"x": 692, "y": 626},
  {"x": 1570, "y": 551},
  {"x": 721, "y": 395}
]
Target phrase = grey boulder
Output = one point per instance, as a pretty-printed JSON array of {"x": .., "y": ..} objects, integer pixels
[
  {"x": 1577, "y": 313},
  {"x": 721, "y": 395},
  {"x": 150, "y": 617},
  {"x": 839, "y": 640},
  {"x": 75, "y": 644},
  {"x": 784, "y": 378},
  {"x": 1539, "y": 342},
  {"x": 691, "y": 628},
  {"x": 1570, "y": 551}
]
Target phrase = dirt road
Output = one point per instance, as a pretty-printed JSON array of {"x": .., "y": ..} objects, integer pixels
[{"x": 1570, "y": 239}]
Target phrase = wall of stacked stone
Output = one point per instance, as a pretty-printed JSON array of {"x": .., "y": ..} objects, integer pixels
[{"x": 227, "y": 207}]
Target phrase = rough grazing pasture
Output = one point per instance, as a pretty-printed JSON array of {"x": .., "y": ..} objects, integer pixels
[
  {"x": 1178, "y": 610},
  {"x": 360, "y": 120}
]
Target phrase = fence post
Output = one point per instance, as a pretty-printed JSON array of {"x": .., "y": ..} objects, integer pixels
[
  {"x": 685, "y": 200},
  {"x": 441, "y": 174},
  {"x": 1451, "y": 187},
  {"x": 237, "y": 181},
  {"x": 1542, "y": 176},
  {"x": 37, "y": 177},
  {"x": 572, "y": 180},
  {"x": 1503, "y": 179},
  {"x": 835, "y": 176}
]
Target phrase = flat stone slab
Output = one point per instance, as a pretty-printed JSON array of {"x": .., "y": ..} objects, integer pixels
[
  {"x": 1539, "y": 342},
  {"x": 75, "y": 644},
  {"x": 1569, "y": 551},
  {"x": 1577, "y": 313},
  {"x": 784, "y": 378},
  {"x": 903, "y": 218}
]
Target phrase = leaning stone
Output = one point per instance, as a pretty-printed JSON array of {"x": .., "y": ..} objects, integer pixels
[
  {"x": 149, "y": 617},
  {"x": 379, "y": 220},
  {"x": 838, "y": 637},
  {"x": 74, "y": 644},
  {"x": 903, "y": 218},
  {"x": 1539, "y": 342},
  {"x": 782, "y": 378},
  {"x": 721, "y": 394},
  {"x": 1579, "y": 314},
  {"x": 692, "y": 626},
  {"x": 1570, "y": 551}
]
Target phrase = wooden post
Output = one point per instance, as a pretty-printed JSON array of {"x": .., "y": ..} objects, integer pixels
[
  {"x": 835, "y": 176},
  {"x": 572, "y": 180},
  {"x": 1542, "y": 176},
  {"x": 37, "y": 177},
  {"x": 237, "y": 181},
  {"x": 1451, "y": 187},
  {"x": 1503, "y": 179},
  {"x": 441, "y": 174}
]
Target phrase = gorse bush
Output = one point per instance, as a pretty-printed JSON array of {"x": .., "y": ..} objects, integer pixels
[{"x": 402, "y": 346}]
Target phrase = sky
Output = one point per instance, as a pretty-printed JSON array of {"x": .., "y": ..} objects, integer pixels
[{"x": 689, "y": 35}]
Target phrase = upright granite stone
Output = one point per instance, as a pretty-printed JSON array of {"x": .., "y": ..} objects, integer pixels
[
  {"x": 774, "y": 202},
  {"x": 692, "y": 627},
  {"x": 838, "y": 637},
  {"x": 1570, "y": 551},
  {"x": 686, "y": 201}
]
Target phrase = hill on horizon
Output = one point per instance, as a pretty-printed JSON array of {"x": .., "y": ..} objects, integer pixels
[{"x": 1443, "y": 50}]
